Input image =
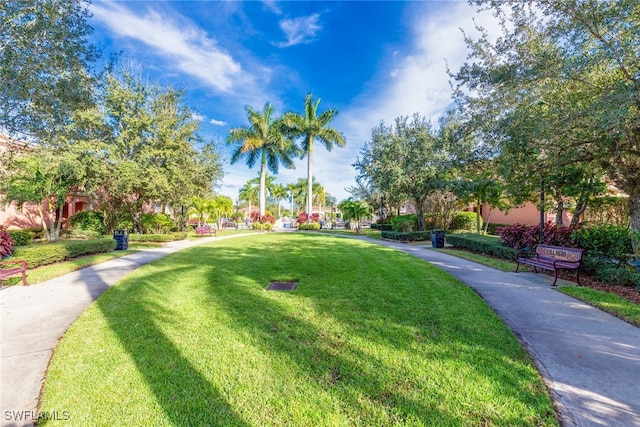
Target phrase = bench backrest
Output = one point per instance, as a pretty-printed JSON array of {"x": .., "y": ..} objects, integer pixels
[
  {"x": 560, "y": 252},
  {"x": 204, "y": 228}
]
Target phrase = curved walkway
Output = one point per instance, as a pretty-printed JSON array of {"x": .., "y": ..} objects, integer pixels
[{"x": 590, "y": 360}]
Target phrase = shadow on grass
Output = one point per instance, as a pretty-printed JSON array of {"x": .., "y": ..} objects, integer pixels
[{"x": 362, "y": 301}]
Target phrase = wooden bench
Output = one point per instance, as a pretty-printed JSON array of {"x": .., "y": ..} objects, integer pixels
[
  {"x": 554, "y": 258},
  {"x": 6, "y": 272},
  {"x": 205, "y": 229},
  {"x": 229, "y": 224}
]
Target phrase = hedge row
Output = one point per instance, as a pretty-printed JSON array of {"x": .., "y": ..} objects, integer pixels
[
  {"x": 411, "y": 236},
  {"x": 309, "y": 226},
  {"x": 488, "y": 245},
  {"x": 157, "y": 238},
  {"x": 43, "y": 254},
  {"x": 21, "y": 237}
]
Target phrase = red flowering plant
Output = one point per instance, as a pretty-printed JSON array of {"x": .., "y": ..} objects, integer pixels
[
  {"x": 302, "y": 217},
  {"x": 6, "y": 242},
  {"x": 520, "y": 236},
  {"x": 255, "y": 216}
]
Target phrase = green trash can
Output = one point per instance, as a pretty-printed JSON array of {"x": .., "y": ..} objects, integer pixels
[{"x": 437, "y": 238}]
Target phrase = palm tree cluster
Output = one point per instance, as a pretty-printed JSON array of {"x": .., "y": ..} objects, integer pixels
[{"x": 272, "y": 141}]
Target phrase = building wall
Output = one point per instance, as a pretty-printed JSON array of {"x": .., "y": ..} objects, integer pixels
[{"x": 527, "y": 214}]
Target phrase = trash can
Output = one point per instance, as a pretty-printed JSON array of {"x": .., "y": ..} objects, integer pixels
[
  {"x": 122, "y": 240},
  {"x": 437, "y": 238}
]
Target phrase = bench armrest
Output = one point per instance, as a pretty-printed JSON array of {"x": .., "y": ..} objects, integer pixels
[{"x": 14, "y": 261}]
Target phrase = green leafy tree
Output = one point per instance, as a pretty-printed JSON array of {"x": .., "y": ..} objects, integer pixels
[
  {"x": 44, "y": 59},
  {"x": 250, "y": 193},
  {"x": 406, "y": 160},
  {"x": 146, "y": 140},
  {"x": 41, "y": 175},
  {"x": 310, "y": 127},
  {"x": 278, "y": 192},
  {"x": 262, "y": 140},
  {"x": 222, "y": 207},
  {"x": 560, "y": 87}
]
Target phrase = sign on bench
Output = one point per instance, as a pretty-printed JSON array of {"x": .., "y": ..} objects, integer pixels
[{"x": 554, "y": 258}]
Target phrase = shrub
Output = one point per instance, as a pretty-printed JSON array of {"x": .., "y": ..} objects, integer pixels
[
  {"x": 385, "y": 227},
  {"x": 465, "y": 221},
  {"x": 82, "y": 234},
  {"x": 88, "y": 220},
  {"x": 492, "y": 228},
  {"x": 156, "y": 223},
  {"x": 310, "y": 226},
  {"x": 608, "y": 241},
  {"x": 482, "y": 244},
  {"x": 618, "y": 277},
  {"x": 157, "y": 238},
  {"x": 21, "y": 237},
  {"x": 262, "y": 226},
  {"x": 518, "y": 236},
  {"x": 412, "y": 236},
  {"x": 405, "y": 223},
  {"x": 6, "y": 242},
  {"x": 49, "y": 253}
]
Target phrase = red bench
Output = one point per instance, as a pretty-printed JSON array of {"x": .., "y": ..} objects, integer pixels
[
  {"x": 554, "y": 258},
  {"x": 205, "y": 229},
  {"x": 6, "y": 272}
]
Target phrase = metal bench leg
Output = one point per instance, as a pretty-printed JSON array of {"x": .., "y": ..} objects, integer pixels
[
  {"x": 578, "y": 276},
  {"x": 555, "y": 278}
]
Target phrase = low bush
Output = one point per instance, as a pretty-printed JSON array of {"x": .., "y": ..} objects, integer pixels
[
  {"x": 88, "y": 221},
  {"x": 606, "y": 242},
  {"x": 6, "y": 242},
  {"x": 49, "y": 253},
  {"x": 618, "y": 277},
  {"x": 157, "y": 238},
  {"x": 492, "y": 228},
  {"x": 519, "y": 236},
  {"x": 21, "y": 237},
  {"x": 384, "y": 227},
  {"x": 412, "y": 236},
  {"x": 310, "y": 226},
  {"x": 157, "y": 223},
  {"x": 465, "y": 221},
  {"x": 487, "y": 245},
  {"x": 264, "y": 226},
  {"x": 79, "y": 234},
  {"x": 405, "y": 223}
]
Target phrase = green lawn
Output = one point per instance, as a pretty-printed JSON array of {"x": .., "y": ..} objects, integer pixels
[{"x": 372, "y": 336}]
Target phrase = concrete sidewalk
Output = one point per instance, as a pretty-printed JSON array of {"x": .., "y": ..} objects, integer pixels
[{"x": 589, "y": 359}]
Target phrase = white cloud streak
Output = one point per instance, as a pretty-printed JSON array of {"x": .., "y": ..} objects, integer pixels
[
  {"x": 300, "y": 30},
  {"x": 186, "y": 47}
]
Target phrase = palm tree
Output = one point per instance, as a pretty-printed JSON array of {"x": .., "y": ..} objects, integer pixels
[
  {"x": 312, "y": 126},
  {"x": 263, "y": 139},
  {"x": 278, "y": 192},
  {"x": 356, "y": 210},
  {"x": 249, "y": 193}
]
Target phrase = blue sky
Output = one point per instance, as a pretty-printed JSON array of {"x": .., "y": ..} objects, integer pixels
[{"x": 372, "y": 61}]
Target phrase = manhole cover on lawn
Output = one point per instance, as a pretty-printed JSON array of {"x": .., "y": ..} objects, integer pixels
[{"x": 282, "y": 286}]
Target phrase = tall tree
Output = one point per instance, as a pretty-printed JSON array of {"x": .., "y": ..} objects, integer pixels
[
  {"x": 407, "y": 160},
  {"x": 312, "y": 126},
  {"x": 146, "y": 139},
  {"x": 278, "y": 192},
  {"x": 562, "y": 83},
  {"x": 45, "y": 55},
  {"x": 263, "y": 139}
]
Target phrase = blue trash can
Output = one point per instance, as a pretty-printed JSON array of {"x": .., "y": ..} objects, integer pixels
[
  {"x": 437, "y": 238},
  {"x": 122, "y": 240}
]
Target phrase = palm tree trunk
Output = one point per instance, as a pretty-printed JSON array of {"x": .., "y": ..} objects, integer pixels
[
  {"x": 263, "y": 182},
  {"x": 309, "y": 178}
]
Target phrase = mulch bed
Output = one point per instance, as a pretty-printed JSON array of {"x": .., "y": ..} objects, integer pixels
[{"x": 628, "y": 293}]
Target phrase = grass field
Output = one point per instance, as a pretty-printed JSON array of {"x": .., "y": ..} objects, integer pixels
[{"x": 371, "y": 336}]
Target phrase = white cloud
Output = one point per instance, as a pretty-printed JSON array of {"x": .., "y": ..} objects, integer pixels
[
  {"x": 187, "y": 47},
  {"x": 412, "y": 82},
  {"x": 217, "y": 122},
  {"x": 197, "y": 117},
  {"x": 300, "y": 30}
]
